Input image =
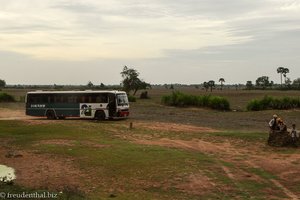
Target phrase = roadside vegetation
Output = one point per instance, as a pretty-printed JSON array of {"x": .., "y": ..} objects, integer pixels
[
  {"x": 4, "y": 97},
  {"x": 268, "y": 103},
  {"x": 182, "y": 100}
]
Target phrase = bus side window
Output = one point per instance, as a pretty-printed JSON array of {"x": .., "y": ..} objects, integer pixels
[
  {"x": 82, "y": 99},
  {"x": 57, "y": 98},
  {"x": 50, "y": 98},
  {"x": 64, "y": 98},
  {"x": 30, "y": 98},
  {"x": 38, "y": 98},
  {"x": 102, "y": 98},
  {"x": 76, "y": 98},
  {"x": 71, "y": 99},
  {"x": 88, "y": 98},
  {"x": 93, "y": 98},
  {"x": 44, "y": 98}
]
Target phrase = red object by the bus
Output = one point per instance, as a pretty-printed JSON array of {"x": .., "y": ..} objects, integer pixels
[{"x": 124, "y": 113}]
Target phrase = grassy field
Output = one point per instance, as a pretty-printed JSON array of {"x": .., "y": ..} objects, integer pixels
[{"x": 171, "y": 153}]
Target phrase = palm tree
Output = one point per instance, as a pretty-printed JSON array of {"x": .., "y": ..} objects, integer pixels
[
  {"x": 285, "y": 71},
  {"x": 222, "y": 80},
  {"x": 282, "y": 71}
]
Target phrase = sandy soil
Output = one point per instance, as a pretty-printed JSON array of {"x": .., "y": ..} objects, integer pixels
[{"x": 44, "y": 171}]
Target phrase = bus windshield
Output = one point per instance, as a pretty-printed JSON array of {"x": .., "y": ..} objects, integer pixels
[{"x": 122, "y": 100}]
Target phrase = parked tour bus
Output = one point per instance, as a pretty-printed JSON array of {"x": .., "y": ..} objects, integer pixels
[{"x": 84, "y": 104}]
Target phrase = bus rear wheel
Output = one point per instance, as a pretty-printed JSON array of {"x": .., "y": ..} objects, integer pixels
[
  {"x": 50, "y": 114},
  {"x": 100, "y": 115}
]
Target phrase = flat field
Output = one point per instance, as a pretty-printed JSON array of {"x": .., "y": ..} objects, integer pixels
[{"x": 170, "y": 153}]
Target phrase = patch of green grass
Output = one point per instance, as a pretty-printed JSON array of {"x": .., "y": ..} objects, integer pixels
[
  {"x": 127, "y": 170},
  {"x": 262, "y": 173},
  {"x": 121, "y": 164}
]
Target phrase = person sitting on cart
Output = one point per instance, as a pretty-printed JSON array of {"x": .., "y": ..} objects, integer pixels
[{"x": 273, "y": 123}]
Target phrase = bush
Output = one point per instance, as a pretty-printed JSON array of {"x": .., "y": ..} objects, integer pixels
[
  {"x": 4, "y": 97},
  {"x": 181, "y": 100},
  {"x": 144, "y": 95},
  {"x": 273, "y": 103},
  {"x": 131, "y": 99}
]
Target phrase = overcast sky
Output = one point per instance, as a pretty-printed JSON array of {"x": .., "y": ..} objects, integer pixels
[{"x": 167, "y": 41}]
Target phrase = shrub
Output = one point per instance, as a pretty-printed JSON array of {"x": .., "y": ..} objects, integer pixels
[
  {"x": 254, "y": 105},
  {"x": 4, "y": 97},
  {"x": 131, "y": 99},
  {"x": 181, "y": 100},
  {"x": 144, "y": 95},
  {"x": 273, "y": 103}
]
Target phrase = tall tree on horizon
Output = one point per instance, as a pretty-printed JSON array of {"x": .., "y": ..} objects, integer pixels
[
  {"x": 131, "y": 81},
  {"x": 2, "y": 83},
  {"x": 211, "y": 84},
  {"x": 282, "y": 71},
  {"x": 222, "y": 80}
]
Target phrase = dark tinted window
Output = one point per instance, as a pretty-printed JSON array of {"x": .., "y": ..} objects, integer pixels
[{"x": 37, "y": 98}]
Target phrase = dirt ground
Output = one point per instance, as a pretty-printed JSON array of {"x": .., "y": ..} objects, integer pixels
[
  {"x": 284, "y": 166},
  {"x": 47, "y": 171},
  {"x": 8, "y": 114},
  {"x": 43, "y": 171}
]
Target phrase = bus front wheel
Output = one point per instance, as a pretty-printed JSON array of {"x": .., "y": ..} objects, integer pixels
[
  {"x": 50, "y": 114},
  {"x": 100, "y": 115}
]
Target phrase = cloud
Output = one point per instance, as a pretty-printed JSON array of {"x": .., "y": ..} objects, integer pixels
[{"x": 207, "y": 37}]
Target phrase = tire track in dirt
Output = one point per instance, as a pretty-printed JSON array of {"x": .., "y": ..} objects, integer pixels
[
  {"x": 289, "y": 193},
  {"x": 226, "y": 151}
]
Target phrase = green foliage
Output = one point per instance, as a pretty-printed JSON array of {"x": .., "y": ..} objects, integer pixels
[
  {"x": 264, "y": 82},
  {"x": 90, "y": 84},
  {"x": 2, "y": 83},
  {"x": 273, "y": 103},
  {"x": 131, "y": 98},
  {"x": 131, "y": 81},
  {"x": 249, "y": 85},
  {"x": 4, "y": 97},
  {"x": 180, "y": 99},
  {"x": 144, "y": 95}
]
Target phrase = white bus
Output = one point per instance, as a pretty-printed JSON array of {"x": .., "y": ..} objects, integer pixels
[{"x": 86, "y": 104}]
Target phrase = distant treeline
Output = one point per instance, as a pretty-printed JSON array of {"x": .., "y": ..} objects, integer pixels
[{"x": 66, "y": 87}]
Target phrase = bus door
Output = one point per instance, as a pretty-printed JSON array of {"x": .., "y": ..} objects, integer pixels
[{"x": 112, "y": 106}]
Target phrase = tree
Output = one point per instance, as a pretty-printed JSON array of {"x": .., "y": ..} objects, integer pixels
[
  {"x": 288, "y": 82},
  {"x": 206, "y": 86},
  {"x": 282, "y": 71},
  {"x": 102, "y": 86},
  {"x": 296, "y": 83},
  {"x": 211, "y": 84},
  {"x": 263, "y": 82},
  {"x": 249, "y": 85},
  {"x": 2, "y": 83},
  {"x": 222, "y": 80},
  {"x": 90, "y": 84},
  {"x": 131, "y": 81}
]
